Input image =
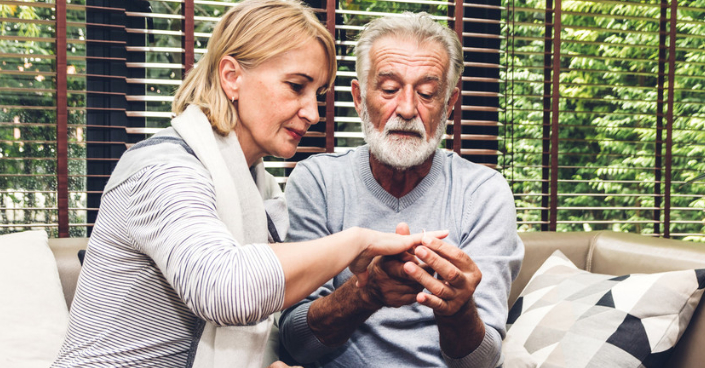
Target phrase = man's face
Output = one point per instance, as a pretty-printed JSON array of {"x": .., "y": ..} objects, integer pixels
[{"x": 404, "y": 106}]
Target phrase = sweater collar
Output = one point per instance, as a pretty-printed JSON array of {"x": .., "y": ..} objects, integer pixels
[{"x": 397, "y": 204}]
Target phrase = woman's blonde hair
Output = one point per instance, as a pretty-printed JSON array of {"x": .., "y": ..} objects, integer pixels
[{"x": 251, "y": 32}]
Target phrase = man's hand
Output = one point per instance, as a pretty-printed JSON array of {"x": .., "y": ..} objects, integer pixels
[
  {"x": 335, "y": 317},
  {"x": 380, "y": 244},
  {"x": 460, "y": 328},
  {"x": 458, "y": 276},
  {"x": 388, "y": 284}
]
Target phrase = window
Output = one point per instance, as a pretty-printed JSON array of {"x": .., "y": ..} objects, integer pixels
[
  {"x": 604, "y": 115},
  {"x": 42, "y": 116},
  {"x": 593, "y": 110}
]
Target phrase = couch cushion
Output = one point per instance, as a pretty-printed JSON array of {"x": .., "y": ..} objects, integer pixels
[
  {"x": 33, "y": 312},
  {"x": 567, "y": 317}
]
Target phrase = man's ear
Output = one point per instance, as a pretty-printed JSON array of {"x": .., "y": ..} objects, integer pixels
[
  {"x": 452, "y": 100},
  {"x": 230, "y": 74},
  {"x": 356, "y": 94}
]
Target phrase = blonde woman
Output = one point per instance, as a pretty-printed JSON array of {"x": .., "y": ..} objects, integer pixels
[{"x": 185, "y": 243}]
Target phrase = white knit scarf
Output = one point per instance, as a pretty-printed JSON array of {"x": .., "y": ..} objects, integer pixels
[{"x": 240, "y": 205}]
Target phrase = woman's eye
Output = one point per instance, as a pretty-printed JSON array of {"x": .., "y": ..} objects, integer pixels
[{"x": 296, "y": 87}]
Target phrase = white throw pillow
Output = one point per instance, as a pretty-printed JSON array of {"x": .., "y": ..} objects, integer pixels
[
  {"x": 33, "y": 312},
  {"x": 568, "y": 317}
]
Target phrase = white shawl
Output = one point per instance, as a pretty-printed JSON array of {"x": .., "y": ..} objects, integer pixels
[{"x": 240, "y": 205}]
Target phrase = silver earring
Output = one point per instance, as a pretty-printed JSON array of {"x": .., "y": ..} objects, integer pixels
[{"x": 232, "y": 100}]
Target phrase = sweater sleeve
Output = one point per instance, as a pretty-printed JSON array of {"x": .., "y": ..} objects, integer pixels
[
  {"x": 490, "y": 238},
  {"x": 173, "y": 219},
  {"x": 306, "y": 200}
]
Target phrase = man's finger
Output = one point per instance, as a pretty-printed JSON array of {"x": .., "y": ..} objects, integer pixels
[
  {"x": 437, "y": 304},
  {"x": 403, "y": 229},
  {"x": 362, "y": 279},
  {"x": 394, "y": 266},
  {"x": 445, "y": 250},
  {"x": 443, "y": 267},
  {"x": 435, "y": 286}
]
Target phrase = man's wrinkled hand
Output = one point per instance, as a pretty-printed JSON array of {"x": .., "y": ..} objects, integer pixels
[
  {"x": 380, "y": 244},
  {"x": 458, "y": 276},
  {"x": 388, "y": 284}
]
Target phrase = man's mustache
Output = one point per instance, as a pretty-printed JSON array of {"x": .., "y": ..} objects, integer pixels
[{"x": 398, "y": 125}]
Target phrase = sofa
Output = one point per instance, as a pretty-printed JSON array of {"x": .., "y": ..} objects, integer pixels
[{"x": 601, "y": 252}]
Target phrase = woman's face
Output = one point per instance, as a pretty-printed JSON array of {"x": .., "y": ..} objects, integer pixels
[{"x": 277, "y": 101}]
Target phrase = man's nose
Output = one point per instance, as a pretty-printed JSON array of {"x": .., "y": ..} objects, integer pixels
[
  {"x": 406, "y": 104},
  {"x": 309, "y": 109}
]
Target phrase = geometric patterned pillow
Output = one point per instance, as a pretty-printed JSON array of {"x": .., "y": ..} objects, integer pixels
[{"x": 568, "y": 317}]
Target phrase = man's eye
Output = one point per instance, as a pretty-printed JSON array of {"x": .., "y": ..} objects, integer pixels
[
  {"x": 426, "y": 95},
  {"x": 296, "y": 87},
  {"x": 389, "y": 91}
]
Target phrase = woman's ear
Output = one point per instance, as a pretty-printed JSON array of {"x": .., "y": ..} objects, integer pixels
[{"x": 230, "y": 74}]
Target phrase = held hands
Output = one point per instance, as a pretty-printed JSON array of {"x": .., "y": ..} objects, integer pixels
[
  {"x": 379, "y": 243},
  {"x": 399, "y": 278},
  {"x": 458, "y": 277},
  {"x": 388, "y": 284}
]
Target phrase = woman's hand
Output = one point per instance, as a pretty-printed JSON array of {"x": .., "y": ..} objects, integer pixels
[
  {"x": 354, "y": 248},
  {"x": 377, "y": 243}
]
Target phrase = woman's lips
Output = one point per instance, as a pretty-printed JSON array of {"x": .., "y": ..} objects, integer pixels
[{"x": 295, "y": 133}]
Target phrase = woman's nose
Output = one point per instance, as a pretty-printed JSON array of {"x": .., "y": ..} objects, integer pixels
[{"x": 309, "y": 110}]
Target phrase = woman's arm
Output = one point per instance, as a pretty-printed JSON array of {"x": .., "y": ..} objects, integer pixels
[
  {"x": 172, "y": 219},
  {"x": 308, "y": 265}
]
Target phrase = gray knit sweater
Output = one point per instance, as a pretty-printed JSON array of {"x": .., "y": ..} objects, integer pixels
[{"x": 331, "y": 192}]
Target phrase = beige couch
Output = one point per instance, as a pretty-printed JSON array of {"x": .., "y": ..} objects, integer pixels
[{"x": 599, "y": 252}]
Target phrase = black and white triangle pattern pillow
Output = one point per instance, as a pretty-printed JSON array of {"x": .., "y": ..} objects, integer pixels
[{"x": 568, "y": 317}]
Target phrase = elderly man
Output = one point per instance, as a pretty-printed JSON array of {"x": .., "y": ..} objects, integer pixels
[{"x": 407, "y": 69}]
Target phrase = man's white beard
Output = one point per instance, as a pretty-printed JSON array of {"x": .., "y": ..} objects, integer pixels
[{"x": 401, "y": 152}]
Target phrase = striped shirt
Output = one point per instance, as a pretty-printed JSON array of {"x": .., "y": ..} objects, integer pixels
[{"x": 159, "y": 258}]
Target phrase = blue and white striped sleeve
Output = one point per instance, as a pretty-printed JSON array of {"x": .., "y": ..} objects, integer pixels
[{"x": 172, "y": 218}]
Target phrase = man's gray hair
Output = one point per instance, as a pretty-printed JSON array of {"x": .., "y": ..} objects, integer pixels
[{"x": 415, "y": 26}]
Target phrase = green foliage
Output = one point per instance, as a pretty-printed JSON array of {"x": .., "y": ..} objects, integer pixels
[
  {"x": 28, "y": 119},
  {"x": 609, "y": 140}
]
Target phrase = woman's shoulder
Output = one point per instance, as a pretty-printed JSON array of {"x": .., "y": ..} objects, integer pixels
[{"x": 160, "y": 153}]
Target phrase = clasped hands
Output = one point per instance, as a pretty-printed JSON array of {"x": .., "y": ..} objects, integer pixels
[{"x": 397, "y": 280}]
